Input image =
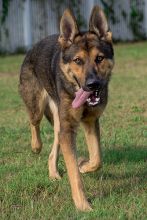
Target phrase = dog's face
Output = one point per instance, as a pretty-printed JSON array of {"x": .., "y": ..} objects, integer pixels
[{"x": 87, "y": 58}]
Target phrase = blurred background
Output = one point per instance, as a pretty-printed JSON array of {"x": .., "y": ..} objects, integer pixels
[{"x": 24, "y": 22}]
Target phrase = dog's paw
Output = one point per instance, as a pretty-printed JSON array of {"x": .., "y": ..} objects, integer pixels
[
  {"x": 86, "y": 166},
  {"x": 54, "y": 176},
  {"x": 84, "y": 206},
  {"x": 36, "y": 146},
  {"x": 81, "y": 163}
]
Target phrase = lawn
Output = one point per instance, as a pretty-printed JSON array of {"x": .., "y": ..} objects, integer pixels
[{"x": 118, "y": 190}]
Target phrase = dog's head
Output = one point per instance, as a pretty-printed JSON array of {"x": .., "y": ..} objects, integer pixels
[{"x": 86, "y": 58}]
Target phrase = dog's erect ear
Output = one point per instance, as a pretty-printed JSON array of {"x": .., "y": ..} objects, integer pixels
[
  {"x": 68, "y": 29},
  {"x": 98, "y": 24}
]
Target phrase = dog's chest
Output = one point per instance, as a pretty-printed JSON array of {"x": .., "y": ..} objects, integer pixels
[{"x": 92, "y": 112}]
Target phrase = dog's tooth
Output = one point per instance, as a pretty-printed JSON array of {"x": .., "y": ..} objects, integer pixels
[
  {"x": 97, "y": 99},
  {"x": 91, "y": 103}
]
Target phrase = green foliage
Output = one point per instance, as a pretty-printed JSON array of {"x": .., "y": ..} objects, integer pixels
[
  {"x": 109, "y": 10},
  {"x": 136, "y": 16},
  {"x": 136, "y": 19},
  {"x": 5, "y": 7},
  {"x": 76, "y": 7}
]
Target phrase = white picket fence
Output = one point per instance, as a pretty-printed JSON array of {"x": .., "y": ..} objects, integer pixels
[{"x": 28, "y": 21}]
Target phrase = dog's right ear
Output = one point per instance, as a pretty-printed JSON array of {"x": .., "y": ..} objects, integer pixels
[{"x": 68, "y": 29}]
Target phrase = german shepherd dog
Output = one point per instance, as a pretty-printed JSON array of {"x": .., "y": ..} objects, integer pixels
[{"x": 65, "y": 77}]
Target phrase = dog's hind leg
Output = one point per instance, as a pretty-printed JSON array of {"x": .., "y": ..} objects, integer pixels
[
  {"x": 92, "y": 134},
  {"x": 53, "y": 157},
  {"x": 36, "y": 142},
  {"x": 34, "y": 97},
  {"x": 35, "y": 119}
]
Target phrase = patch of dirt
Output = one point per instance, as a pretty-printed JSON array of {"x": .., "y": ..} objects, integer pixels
[{"x": 8, "y": 74}]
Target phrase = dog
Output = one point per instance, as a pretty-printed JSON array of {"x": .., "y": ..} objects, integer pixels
[{"x": 65, "y": 77}]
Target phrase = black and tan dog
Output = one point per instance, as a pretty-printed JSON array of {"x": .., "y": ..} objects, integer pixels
[{"x": 65, "y": 77}]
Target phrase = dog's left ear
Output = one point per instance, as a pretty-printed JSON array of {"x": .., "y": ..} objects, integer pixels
[
  {"x": 99, "y": 25},
  {"x": 68, "y": 29}
]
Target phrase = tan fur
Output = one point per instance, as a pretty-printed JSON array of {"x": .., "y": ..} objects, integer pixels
[
  {"x": 53, "y": 157},
  {"x": 92, "y": 134},
  {"x": 68, "y": 145}
]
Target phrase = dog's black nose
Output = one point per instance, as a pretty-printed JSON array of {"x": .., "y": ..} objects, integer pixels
[{"x": 94, "y": 83}]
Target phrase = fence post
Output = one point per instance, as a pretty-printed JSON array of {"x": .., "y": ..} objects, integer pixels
[{"x": 27, "y": 24}]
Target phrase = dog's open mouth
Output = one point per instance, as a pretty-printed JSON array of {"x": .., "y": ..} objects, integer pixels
[{"x": 91, "y": 98}]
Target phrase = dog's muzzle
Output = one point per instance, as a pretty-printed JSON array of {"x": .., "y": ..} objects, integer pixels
[
  {"x": 95, "y": 86},
  {"x": 90, "y": 93}
]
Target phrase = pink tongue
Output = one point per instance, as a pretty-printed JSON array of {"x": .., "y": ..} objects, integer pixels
[{"x": 81, "y": 97}]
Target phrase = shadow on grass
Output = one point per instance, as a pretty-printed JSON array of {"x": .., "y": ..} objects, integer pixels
[
  {"x": 122, "y": 184},
  {"x": 126, "y": 154},
  {"x": 116, "y": 156},
  {"x": 121, "y": 179}
]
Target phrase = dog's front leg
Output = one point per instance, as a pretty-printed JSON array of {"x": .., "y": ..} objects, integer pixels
[
  {"x": 92, "y": 134},
  {"x": 67, "y": 143}
]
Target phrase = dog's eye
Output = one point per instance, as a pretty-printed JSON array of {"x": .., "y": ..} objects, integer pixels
[
  {"x": 78, "y": 61},
  {"x": 99, "y": 59}
]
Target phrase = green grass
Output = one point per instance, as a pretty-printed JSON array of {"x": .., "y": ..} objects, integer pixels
[{"x": 118, "y": 190}]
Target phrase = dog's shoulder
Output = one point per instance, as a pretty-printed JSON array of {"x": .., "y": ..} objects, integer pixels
[{"x": 40, "y": 62}]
